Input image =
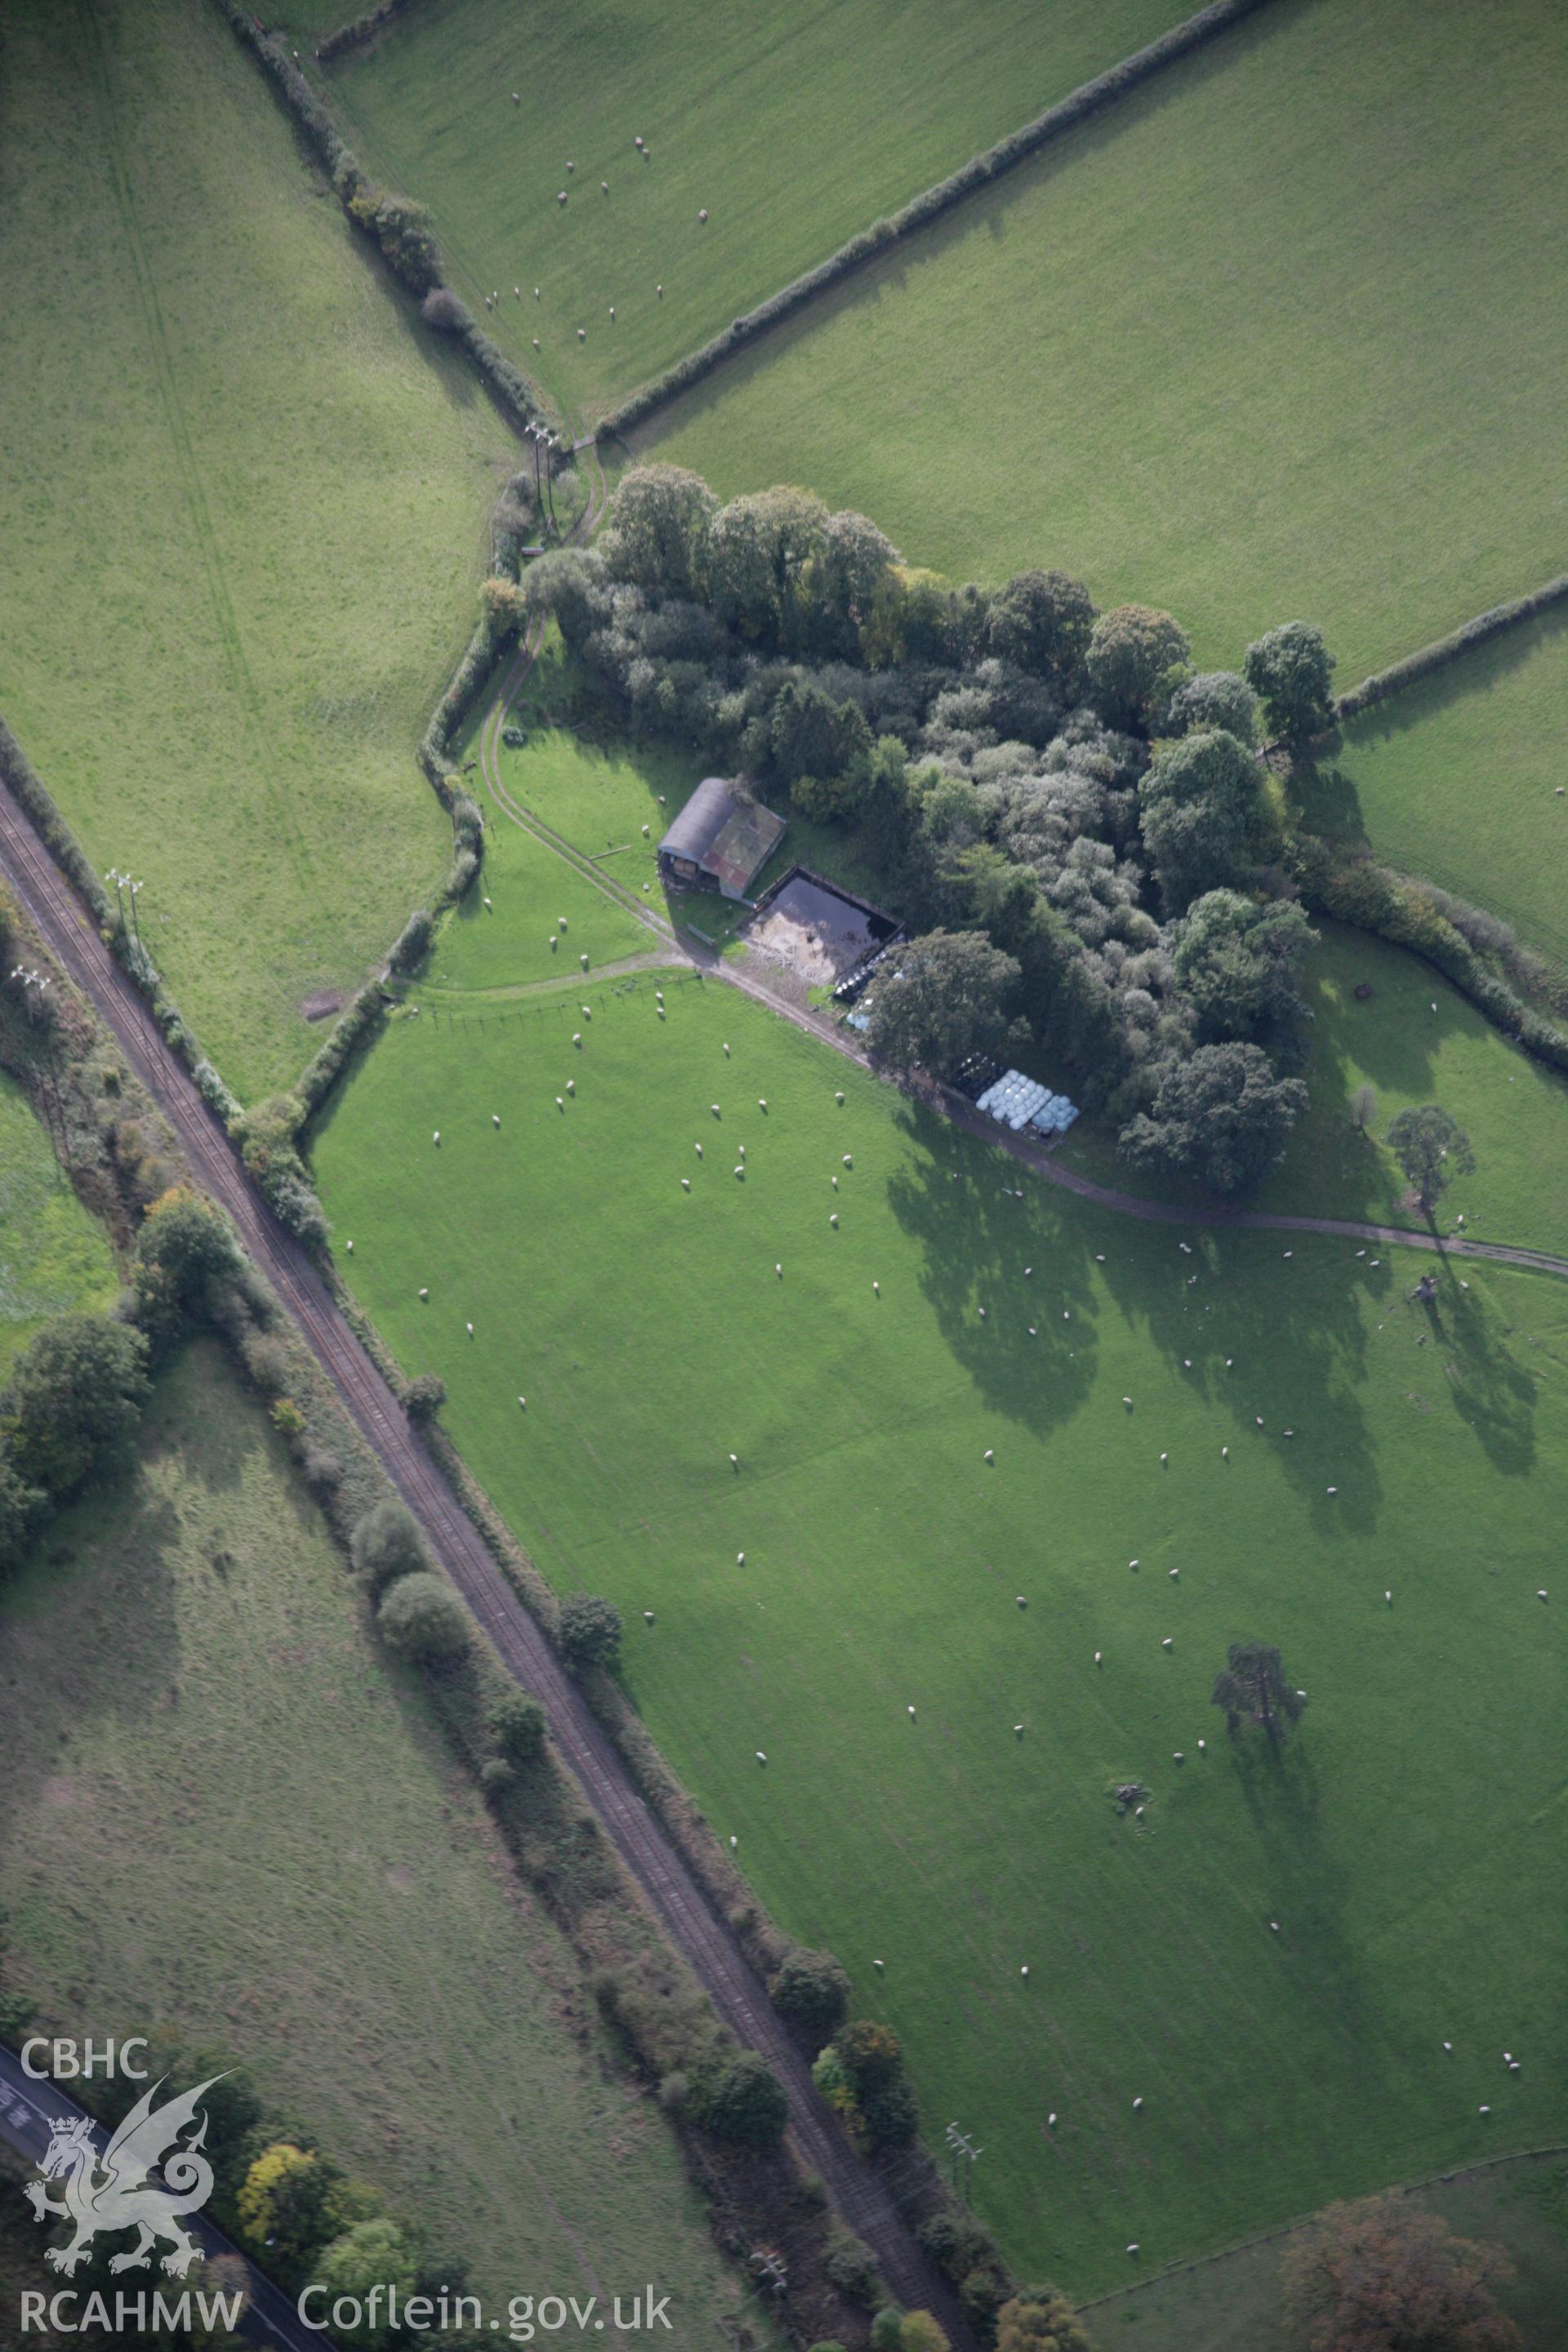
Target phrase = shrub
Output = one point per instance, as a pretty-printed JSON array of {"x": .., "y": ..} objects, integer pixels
[
  {"x": 446, "y": 311},
  {"x": 387, "y": 1543},
  {"x": 590, "y": 1630},
  {"x": 813, "y": 1991},
  {"x": 185, "y": 1247},
  {"x": 424, "y": 1396},
  {"x": 373, "y": 2253},
  {"x": 852, "y": 2266},
  {"x": 885, "y": 2328},
  {"x": 1038, "y": 2319},
  {"x": 287, "y": 1418},
  {"x": 743, "y": 2102},
  {"x": 423, "y": 1618},
  {"x": 869, "y": 2052},
  {"x": 517, "y": 1725},
  {"x": 497, "y": 1776},
  {"x": 890, "y": 2114},
  {"x": 411, "y": 942},
  {"x": 918, "y": 2332}
]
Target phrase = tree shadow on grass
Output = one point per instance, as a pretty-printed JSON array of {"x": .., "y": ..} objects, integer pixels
[
  {"x": 1033, "y": 1353},
  {"x": 1493, "y": 1393},
  {"x": 1278, "y": 1785},
  {"x": 1277, "y": 1345}
]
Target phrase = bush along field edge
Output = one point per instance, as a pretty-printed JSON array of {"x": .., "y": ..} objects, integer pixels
[
  {"x": 1118, "y": 82},
  {"x": 398, "y": 227},
  {"x": 187, "y": 1275},
  {"x": 1444, "y": 650},
  {"x": 354, "y": 35}
]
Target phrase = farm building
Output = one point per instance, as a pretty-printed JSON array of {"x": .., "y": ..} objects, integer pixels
[{"x": 720, "y": 840}]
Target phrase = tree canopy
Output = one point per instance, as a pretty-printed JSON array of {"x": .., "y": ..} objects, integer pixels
[
  {"x": 72, "y": 1407},
  {"x": 1290, "y": 669},
  {"x": 948, "y": 998},
  {"x": 1382, "y": 2276},
  {"x": 655, "y": 528},
  {"x": 1042, "y": 621},
  {"x": 1135, "y": 660},
  {"x": 1038, "y": 2319},
  {"x": 1207, "y": 814},
  {"x": 1432, "y": 1148},
  {"x": 1223, "y": 1114},
  {"x": 590, "y": 1630},
  {"x": 423, "y": 1617},
  {"x": 1240, "y": 961}
]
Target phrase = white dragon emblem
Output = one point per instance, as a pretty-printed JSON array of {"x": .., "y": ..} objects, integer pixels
[{"x": 147, "y": 2140}]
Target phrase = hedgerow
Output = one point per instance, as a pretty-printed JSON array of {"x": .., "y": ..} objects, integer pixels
[
  {"x": 399, "y": 228},
  {"x": 1443, "y": 650},
  {"x": 931, "y": 203}
]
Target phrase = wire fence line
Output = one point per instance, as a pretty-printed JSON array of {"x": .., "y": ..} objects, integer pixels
[{"x": 1288, "y": 2229}]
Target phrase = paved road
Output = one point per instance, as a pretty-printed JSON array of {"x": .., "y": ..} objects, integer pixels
[
  {"x": 671, "y": 1891},
  {"x": 27, "y": 2108}
]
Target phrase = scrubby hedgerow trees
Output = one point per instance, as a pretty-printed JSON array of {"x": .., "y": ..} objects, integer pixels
[{"x": 1055, "y": 785}]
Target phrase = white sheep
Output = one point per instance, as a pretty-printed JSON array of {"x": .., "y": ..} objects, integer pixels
[
  {"x": 761, "y": 1102},
  {"x": 1018, "y": 1731},
  {"x": 648, "y": 1616},
  {"x": 698, "y": 1149},
  {"x": 1022, "y": 1603},
  {"x": 494, "y": 1122},
  {"x": 838, "y": 1098},
  {"x": 848, "y": 1161},
  {"x": 523, "y": 1403},
  {"x": 1164, "y": 1458},
  {"x": 686, "y": 1183},
  {"x": 350, "y": 1248},
  {"x": 990, "y": 1456},
  {"x": 577, "y": 1038},
  {"x": 740, "y": 1171},
  {"x": 1050, "y": 2119},
  {"x": 490, "y": 904},
  {"x": 779, "y": 1271},
  {"x": 911, "y": 1715},
  {"x": 1024, "y": 1970},
  {"x": 833, "y": 1221},
  {"x": 740, "y": 1560},
  {"x": 876, "y": 1286},
  {"x": 735, "y": 1460},
  {"x": 1167, "y": 1643},
  {"x": 470, "y": 1330},
  {"x": 437, "y": 1137},
  {"x": 761, "y": 1758},
  {"x": 1136, "y": 2105},
  {"x": 425, "y": 1294},
  {"x": 1097, "y": 1656}
]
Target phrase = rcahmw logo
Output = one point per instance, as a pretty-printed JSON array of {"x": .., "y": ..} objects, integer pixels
[{"x": 102, "y": 2195}]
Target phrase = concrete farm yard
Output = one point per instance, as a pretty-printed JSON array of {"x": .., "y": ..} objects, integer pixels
[{"x": 884, "y": 1561}]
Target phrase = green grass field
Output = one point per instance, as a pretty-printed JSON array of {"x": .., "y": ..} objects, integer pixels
[
  {"x": 54, "y": 1257},
  {"x": 758, "y": 116},
  {"x": 1456, "y": 779},
  {"x": 1233, "y": 2304},
  {"x": 224, "y": 1810},
  {"x": 1513, "y": 1108},
  {"x": 1232, "y": 348},
  {"x": 884, "y": 1559},
  {"x": 242, "y": 511}
]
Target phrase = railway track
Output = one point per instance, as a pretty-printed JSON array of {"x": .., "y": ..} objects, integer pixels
[{"x": 654, "y": 1863}]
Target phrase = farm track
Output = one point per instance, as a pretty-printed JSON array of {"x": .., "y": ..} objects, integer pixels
[{"x": 672, "y": 1894}]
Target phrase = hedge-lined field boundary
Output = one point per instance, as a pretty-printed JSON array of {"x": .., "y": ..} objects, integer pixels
[
  {"x": 515, "y": 397},
  {"x": 1444, "y": 650},
  {"x": 1413, "y": 914},
  {"x": 351, "y": 36},
  {"x": 43, "y": 812},
  {"x": 1284, "y": 2229},
  {"x": 980, "y": 170}
]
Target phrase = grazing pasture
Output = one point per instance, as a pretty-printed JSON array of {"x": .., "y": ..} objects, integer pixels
[
  {"x": 1234, "y": 348},
  {"x": 243, "y": 510},
  {"x": 792, "y": 129},
  {"x": 1233, "y": 2304},
  {"x": 1455, "y": 778},
  {"x": 54, "y": 1257},
  {"x": 1514, "y": 1109},
  {"x": 949, "y": 1413},
  {"x": 226, "y": 1811}
]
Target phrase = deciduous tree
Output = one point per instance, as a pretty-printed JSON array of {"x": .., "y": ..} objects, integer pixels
[
  {"x": 423, "y": 1617},
  {"x": 656, "y": 531},
  {"x": 1222, "y": 1114},
  {"x": 1043, "y": 621},
  {"x": 1207, "y": 814},
  {"x": 949, "y": 997},
  {"x": 1432, "y": 1148},
  {"x": 1290, "y": 669},
  {"x": 1382, "y": 2276},
  {"x": 72, "y": 1407},
  {"x": 1137, "y": 656},
  {"x": 590, "y": 1630}
]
